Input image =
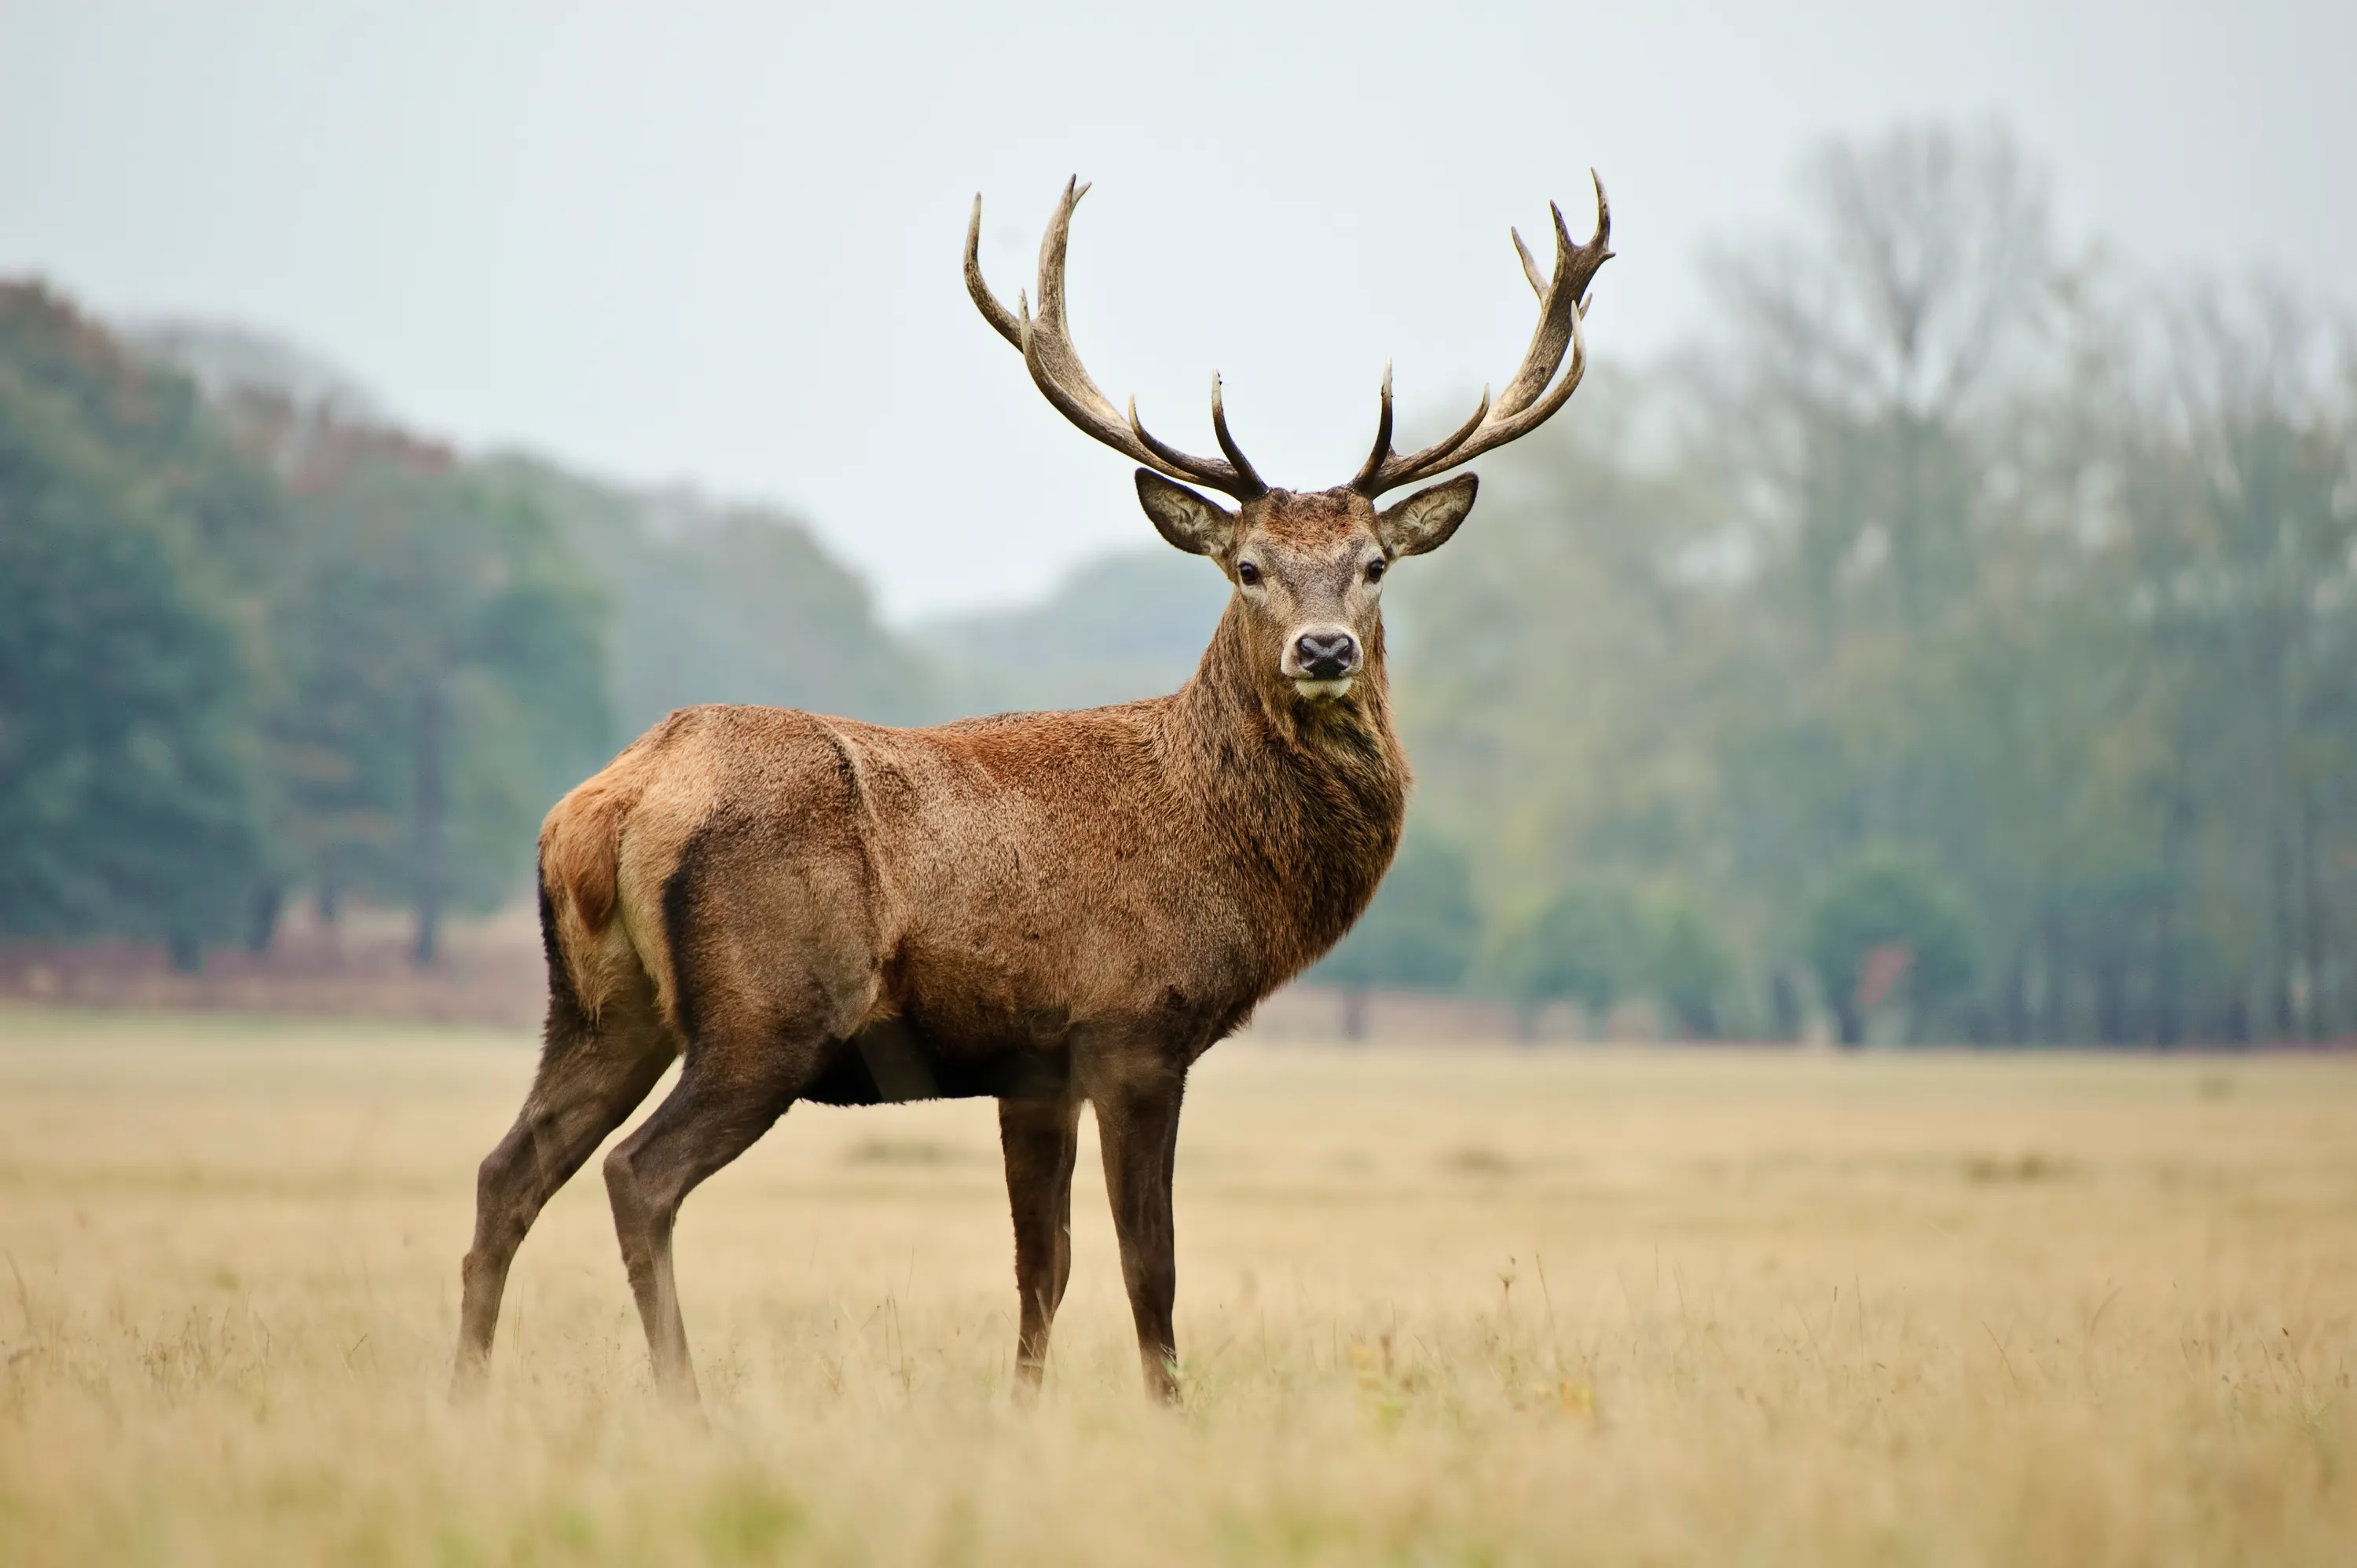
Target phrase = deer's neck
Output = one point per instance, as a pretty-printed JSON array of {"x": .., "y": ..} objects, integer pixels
[{"x": 1303, "y": 799}]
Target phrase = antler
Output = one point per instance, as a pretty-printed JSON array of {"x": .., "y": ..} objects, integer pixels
[
  {"x": 1046, "y": 343},
  {"x": 1522, "y": 407}
]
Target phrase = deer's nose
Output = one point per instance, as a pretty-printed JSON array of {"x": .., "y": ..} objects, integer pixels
[{"x": 1327, "y": 655}]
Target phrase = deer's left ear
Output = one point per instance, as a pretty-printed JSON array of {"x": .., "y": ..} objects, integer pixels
[
  {"x": 1425, "y": 520},
  {"x": 1186, "y": 519}
]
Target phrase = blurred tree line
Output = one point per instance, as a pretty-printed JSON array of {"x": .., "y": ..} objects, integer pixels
[
  {"x": 256, "y": 642},
  {"x": 1961, "y": 642}
]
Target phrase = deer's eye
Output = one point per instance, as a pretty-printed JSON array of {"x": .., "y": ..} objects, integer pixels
[
  {"x": 1247, "y": 574},
  {"x": 1375, "y": 571}
]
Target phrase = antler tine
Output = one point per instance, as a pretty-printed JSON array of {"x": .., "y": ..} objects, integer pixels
[
  {"x": 1160, "y": 453},
  {"x": 1055, "y": 365},
  {"x": 1219, "y": 434},
  {"x": 1553, "y": 334},
  {"x": 1002, "y": 320},
  {"x": 1526, "y": 402},
  {"x": 1398, "y": 470},
  {"x": 1530, "y": 262},
  {"x": 1375, "y": 464},
  {"x": 1383, "y": 461}
]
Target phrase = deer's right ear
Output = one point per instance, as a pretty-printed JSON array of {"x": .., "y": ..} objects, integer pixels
[
  {"x": 1190, "y": 521},
  {"x": 1425, "y": 520}
]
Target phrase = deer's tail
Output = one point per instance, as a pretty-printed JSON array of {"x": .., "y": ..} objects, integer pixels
[{"x": 590, "y": 954}]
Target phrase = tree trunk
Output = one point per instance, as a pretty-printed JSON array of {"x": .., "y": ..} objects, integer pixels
[
  {"x": 429, "y": 824},
  {"x": 1850, "y": 1021},
  {"x": 2167, "y": 982},
  {"x": 2314, "y": 967},
  {"x": 262, "y": 917},
  {"x": 2111, "y": 1000},
  {"x": 1784, "y": 1003},
  {"x": 2013, "y": 1003},
  {"x": 2055, "y": 1023}
]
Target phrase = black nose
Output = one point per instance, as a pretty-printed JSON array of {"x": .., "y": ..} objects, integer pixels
[{"x": 1326, "y": 656}]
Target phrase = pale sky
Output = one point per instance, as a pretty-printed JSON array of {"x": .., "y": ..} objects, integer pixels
[{"x": 719, "y": 243}]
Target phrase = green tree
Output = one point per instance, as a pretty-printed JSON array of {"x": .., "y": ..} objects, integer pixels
[
  {"x": 130, "y": 672},
  {"x": 1882, "y": 905},
  {"x": 1418, "y": 933},
  {"x": 1688, "y": 968},
  {"x": 724, "y": 604},
  {"x": 1950, "y": 543},
  {"x": 2244, "y": 496},
  {"x": 1586, "y": 944},
  {"x": 450, "y": 677}
]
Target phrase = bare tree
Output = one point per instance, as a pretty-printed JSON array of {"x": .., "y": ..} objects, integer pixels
[
  {"x": 1863, "y": 344},
  {"x": 2249, "y": 550}
]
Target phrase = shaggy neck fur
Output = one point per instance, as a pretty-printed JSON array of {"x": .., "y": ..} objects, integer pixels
[{"x": 1305, "y": 798}]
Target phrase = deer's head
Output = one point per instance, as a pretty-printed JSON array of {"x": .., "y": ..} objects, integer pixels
[{"x": 1309, "y": 567}]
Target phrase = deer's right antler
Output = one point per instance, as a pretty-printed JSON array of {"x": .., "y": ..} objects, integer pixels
[
  {"x": 1046, "y": 343},
  {"x": 1520, "y": 408}
]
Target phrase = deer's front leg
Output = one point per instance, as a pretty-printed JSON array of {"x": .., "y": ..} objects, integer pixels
[
  {"x": 1039, "y": 1139},
  {"x": 1137, "y": 1125}
]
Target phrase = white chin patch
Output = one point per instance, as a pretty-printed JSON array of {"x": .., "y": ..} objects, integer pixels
[{"x": 1323, "y": 691}]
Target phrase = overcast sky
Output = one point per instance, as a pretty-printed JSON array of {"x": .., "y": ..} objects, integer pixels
[{"x": 719, "y": 243}]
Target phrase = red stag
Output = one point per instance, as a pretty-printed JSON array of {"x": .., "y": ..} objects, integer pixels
[{"x": 1047, "y": 908}]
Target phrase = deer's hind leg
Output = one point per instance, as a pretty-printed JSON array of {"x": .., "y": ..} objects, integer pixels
[
  {"x": 773, "y": 971},
  {"x": 716, "y": 1111},
  {"x": 591, "y": 1076}
]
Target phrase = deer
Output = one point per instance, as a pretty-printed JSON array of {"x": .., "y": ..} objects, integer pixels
[{"x": 1051, "y": 909}]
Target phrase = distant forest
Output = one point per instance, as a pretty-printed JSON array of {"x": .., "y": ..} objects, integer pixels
[
  {"x": 257, "y": 642},
  {"x": 1958, "y": 642}
]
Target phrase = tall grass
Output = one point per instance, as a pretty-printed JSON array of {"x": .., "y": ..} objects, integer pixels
[{"x": 1436, "y": 1308}]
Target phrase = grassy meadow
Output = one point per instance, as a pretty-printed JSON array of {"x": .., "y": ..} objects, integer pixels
[{"x": 1438, "y": 1305}]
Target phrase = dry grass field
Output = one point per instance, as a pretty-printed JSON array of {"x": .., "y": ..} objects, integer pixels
[{"x": 1438, "y": 1307}]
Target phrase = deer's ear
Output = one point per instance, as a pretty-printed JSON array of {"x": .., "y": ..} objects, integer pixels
[
  {"x": 1425, "y": 520},
  {"x": 1189, "y": 521}
]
